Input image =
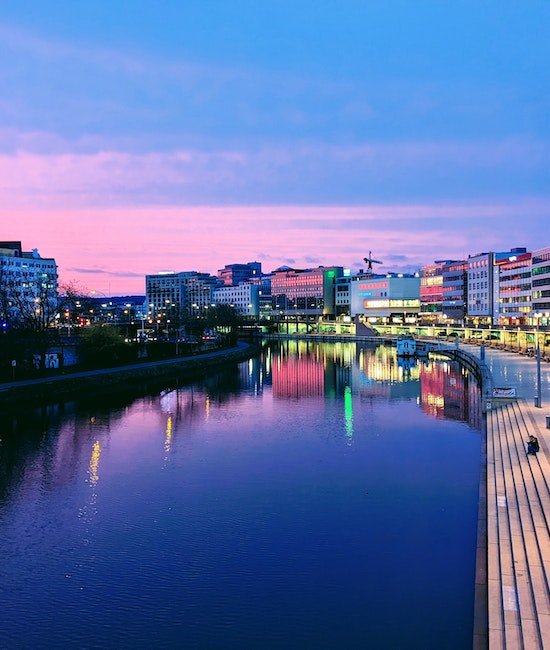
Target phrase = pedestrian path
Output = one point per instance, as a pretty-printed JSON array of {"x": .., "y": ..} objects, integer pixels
[{"x": 518, "y": 530}]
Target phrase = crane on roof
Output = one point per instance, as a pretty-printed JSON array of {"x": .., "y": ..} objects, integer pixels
[{"x": 370, "y": 261}]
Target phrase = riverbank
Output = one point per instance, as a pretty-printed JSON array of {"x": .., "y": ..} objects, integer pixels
[{"x": 68, "y": 385}]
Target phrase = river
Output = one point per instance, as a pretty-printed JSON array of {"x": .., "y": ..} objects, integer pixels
[{"x": 316, "y": 496}]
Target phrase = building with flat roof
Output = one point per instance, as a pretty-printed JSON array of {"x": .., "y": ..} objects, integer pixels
[
  {"x": 176, "y": 296},
  {"x": 28, "y": 285},
  {"x": 234, "y": 274},
  {"x": 244, "y": 298},
  {"x": 431, "y": 291},
  {"x": 306, "y": 292},
  {"x": 514, "y": 287},
  {"x": 540, "y": 287},
  {"x": 390, "y": 298},
  {"x": 454, "y": 291}
]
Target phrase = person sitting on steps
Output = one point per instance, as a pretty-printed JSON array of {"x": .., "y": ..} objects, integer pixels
[{"x": 532, "y": 445}]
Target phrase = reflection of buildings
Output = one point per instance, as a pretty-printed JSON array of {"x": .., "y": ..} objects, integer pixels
[
  {"x": 302, "y": 369},
  {"x": 297, "y": 375},
  {"x": 347, "y": 372},
  {"x": 451, "y": 392}
]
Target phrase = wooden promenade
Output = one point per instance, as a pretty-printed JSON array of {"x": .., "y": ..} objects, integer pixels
[{"x": 517, "y": 533}]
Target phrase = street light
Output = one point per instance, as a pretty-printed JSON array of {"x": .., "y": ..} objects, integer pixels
[{"x": 538, "y": 399}]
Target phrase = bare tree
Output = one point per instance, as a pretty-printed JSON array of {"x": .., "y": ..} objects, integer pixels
[{"x": 30, "y": 307}]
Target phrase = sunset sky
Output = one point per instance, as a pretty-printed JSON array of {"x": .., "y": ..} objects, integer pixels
[{"x": 140, "y": 136}]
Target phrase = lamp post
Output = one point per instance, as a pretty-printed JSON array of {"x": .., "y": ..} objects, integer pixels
[{"x": 538, "y": 400}]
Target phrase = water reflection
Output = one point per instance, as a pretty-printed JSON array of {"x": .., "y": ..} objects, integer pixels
[
  {"x": 301, "y": 369},
  {"x": 47, "y": 444},
  {"x": 250, "y": 503}
]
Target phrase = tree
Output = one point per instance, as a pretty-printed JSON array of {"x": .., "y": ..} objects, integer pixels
[
  {"x": 224, "y": 318},
  {"x": 30, "y": 307},
  {"x": 102, "y": 346}
]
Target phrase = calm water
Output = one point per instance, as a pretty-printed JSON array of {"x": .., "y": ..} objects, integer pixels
[{"x": 320, "y": 496}]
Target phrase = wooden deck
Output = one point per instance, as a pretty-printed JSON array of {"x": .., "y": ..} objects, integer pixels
[{"x": 518, "y": 533}]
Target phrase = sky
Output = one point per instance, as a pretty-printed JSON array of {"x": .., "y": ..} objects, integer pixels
[{"x": 140, "y": 136}]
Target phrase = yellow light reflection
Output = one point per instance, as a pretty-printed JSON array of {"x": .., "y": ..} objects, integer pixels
[
  {"x": 94, "y": 463},
  {"x": 168, "y": 439}
]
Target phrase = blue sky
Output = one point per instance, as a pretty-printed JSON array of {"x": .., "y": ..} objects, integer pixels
[{"x": 261, "y": 130}]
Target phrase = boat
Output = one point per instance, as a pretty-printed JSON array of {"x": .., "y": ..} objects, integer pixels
[{"x": 408, "y": 346}]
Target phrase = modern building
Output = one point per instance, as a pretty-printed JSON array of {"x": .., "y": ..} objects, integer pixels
[
  {"x": 514, "y": 287},
  {"x": 179, "y": 296},
  {"x": 391, "y": 298},
  {"x": 455, "y": 280},
  {"x": 540, "y": 287},
  {"x": 305, "y": 292},
  {"x": 234, "y": 274},
  {"x": 28, "y": 285},
  {"x": 342, "y": 297},
  {"x": 483, "y": 293},
  {"x": 431, "y": 291},
  {"x": 166, "y": 292},
  {"x": 244, "y": 298}
]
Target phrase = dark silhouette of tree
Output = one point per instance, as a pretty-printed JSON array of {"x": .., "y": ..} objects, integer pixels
[
  {"x": 30, "y": 309},
  {"x": 102, "y": 346},
  {"x": 224, "y": 319}
]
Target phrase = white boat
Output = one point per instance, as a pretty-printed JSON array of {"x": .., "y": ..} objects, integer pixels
[{"x": 408, "y": 346}]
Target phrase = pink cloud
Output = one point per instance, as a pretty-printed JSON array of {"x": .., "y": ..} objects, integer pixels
[{"x": 111, "y": 250}]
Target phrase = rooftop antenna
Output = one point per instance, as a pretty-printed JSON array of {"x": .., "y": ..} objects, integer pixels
[{"x": 370, "y": 261}]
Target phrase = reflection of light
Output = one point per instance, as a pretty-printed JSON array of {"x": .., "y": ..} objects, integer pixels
[
  {"x": 207, "y": 406},
  {"x": 434, "y": 400},
  {"x": 168, "y": 439},
  {"x": 94, "y": 463},
  {"x": 348, "y": 412}
]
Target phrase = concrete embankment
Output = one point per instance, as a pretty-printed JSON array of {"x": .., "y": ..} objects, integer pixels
[{"x": 66, "y": 386}]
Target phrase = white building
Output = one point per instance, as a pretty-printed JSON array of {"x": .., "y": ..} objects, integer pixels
[
  {"x": 483, "y": 291},
  {"x": 28, "y": 284},
  {"x": 394, "y": 297},
  {"x": 244, "y": 298}
]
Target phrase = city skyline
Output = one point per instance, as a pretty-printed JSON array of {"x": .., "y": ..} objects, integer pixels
[{"x": 136, "y": 140}]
